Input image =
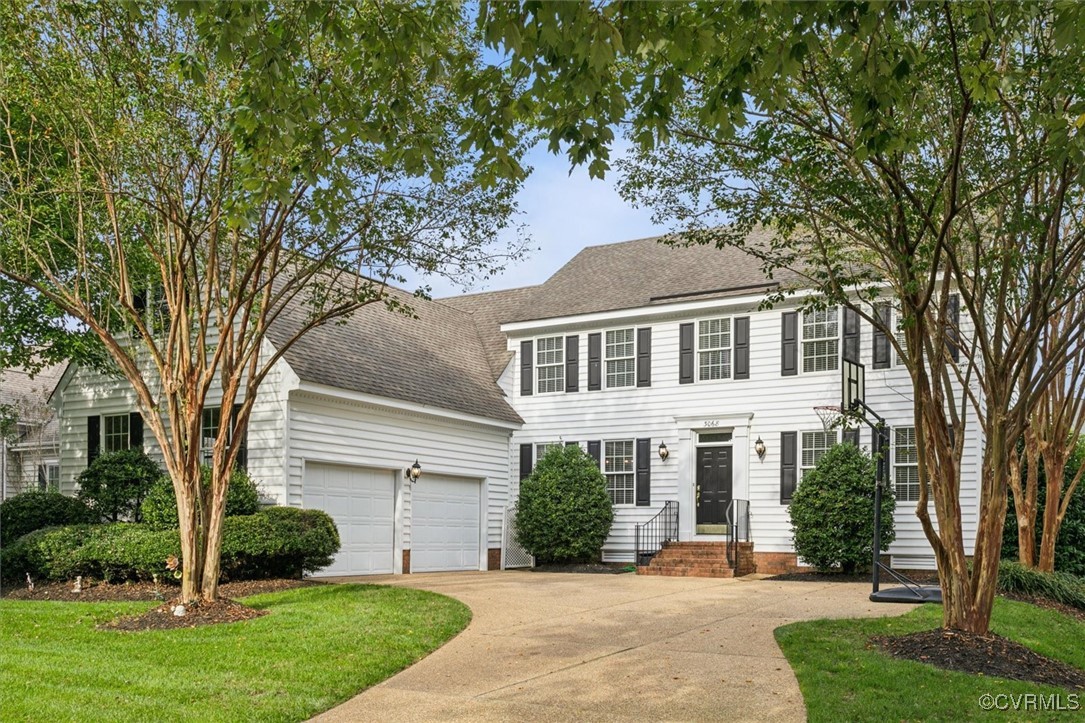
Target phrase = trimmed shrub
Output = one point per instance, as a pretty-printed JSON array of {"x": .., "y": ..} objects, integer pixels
[
  {"x": 1061, "y": 587},
  {"x": 31, "y": 511},
  {"x": 832, "y": 512},
  {"x": 115, "y": 484},
  {"x": 159, "y": 508},
  {"x": 564, "y": 512},
  {"x": 276, "y": 542}
]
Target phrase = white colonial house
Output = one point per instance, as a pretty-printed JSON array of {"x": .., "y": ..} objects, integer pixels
[{"x": 659, "y": 361}]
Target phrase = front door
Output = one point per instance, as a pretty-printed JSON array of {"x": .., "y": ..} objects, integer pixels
[{"x": 714, "y": 484}]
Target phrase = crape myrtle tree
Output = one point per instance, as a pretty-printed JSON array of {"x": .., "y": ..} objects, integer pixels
[
  {"x": 176, "y": 176},
  {"x": 930, "y": 153}
]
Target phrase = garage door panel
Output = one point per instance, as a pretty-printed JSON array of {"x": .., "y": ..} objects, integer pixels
[
  {"x": 362, "y": 503},
  {"x": 445, "y": 524}
]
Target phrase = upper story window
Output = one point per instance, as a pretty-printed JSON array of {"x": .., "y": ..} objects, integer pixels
[
  {"x": 821, "y": 340},
  {"x": 621, "y": 363},
  {"x": 814, "y": 445},
  {"x": 550, "y": 364},
  {"x": 544, "y": 447},
  {"x": 115, "y": 433},
  {"x": 897, "y": 325},
  {"x": 618, "y": 468},
  {"x": 714, "y": 349},
  {"x": 905, "y": 465}
]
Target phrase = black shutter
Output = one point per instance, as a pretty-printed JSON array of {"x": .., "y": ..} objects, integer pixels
[
  {"x": 595, "y": 362},
  {"x": 525, "y": 461},
  {"x": 644, "y": 357},
  {"x": 685, "y": 354},
  {"x": 742, "y": 347},
  {"x": 572, "y": 363},
  {"x": 644, "y": 472},
  {"x": 851, "y": 436},
  {"x": 789, "y": 468},
  {"x": 242, "y": 460},
  {"x": 882, "y": 349},
  {"x": 595, "y": 451},
  {"x": 952, "y": 338},
  {"x": 135, "y": 431},
  {"x": 789, "y": 339},
  {"x": 851, "y": 335},
  {"x": 94, "y": 438},
  {"x": 527, "y": 384}
]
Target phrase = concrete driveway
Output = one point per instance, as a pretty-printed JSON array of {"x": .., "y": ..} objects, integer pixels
[{"x": 552, "y": 646}]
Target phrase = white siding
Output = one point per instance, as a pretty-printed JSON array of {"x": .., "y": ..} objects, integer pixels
[{"x": 672, "y": 412}]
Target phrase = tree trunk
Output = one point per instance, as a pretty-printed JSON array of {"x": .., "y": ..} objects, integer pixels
[
  {"x": 212, "y": 568},
  {"x": 1052, "y": 519}
]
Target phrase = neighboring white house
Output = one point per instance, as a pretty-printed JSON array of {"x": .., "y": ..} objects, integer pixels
[
  {"x": 628, "y": 347},
  {"x": 29, "y": 444}
]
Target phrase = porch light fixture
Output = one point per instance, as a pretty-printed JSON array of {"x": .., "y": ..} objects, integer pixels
[
  {"x": 413, "y": 472},
  {"x": 759, "y": 447},
  {"x": 663, "y": 451}
]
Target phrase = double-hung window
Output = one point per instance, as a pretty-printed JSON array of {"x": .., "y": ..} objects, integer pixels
[
  {"x": 542, "y": 448},
  {"x": 814, "y": 445},
  {"x": 621, "y": 363},
  {"x": 821, "y": 340},
  {"x": 713, "y": 349},
  {"x": 905, "y": 465},
  {"x": 550, "y": 364},
  {"x": 209, "y": 429},
  {"x": 115, "y": 433},
  {"x": 897, "y": 320},
  {"x": 618, "y": 468}
]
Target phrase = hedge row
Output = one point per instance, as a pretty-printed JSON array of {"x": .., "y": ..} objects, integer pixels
[
  {"x": 1058, "y": 586},
  {"x": 276, "y": 542},
  {"x": 31, "y": 511}
]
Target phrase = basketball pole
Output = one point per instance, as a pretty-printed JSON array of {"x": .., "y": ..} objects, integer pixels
[{"x": 880, "y": 479}]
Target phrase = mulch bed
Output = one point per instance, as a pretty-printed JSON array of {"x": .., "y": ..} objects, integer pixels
[
  {"x": 164, "y": 617},
  {"x": 595, "y": 568},
  {"x": 136, "y": 591},
  {"x": 990, "y": 655},
  {"x": 922, "y": 577}
]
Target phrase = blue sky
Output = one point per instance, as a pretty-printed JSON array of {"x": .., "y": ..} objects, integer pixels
[{"x": 562, "y": 213}]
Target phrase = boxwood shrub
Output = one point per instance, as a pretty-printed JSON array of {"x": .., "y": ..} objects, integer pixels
[
  {"x": 115, "y": 484},
  {"x": 276, "y": 542},
  {"x": 160, "y": 505},
  {"x": 31, "y": 511}
]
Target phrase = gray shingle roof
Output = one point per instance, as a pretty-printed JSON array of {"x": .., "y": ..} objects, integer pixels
[
  {"x": 436, "y": 360},
  {"x": 30, "y": 397},
  {"x": 490, "y": 310}
]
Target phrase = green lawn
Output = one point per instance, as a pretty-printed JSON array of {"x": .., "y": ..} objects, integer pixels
[
  {"x": 843, "y": 679},
  {"x": 318, "y": 647}
]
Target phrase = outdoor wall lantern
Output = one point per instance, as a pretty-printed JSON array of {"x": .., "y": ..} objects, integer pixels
[
  {"x": 413, "y": 472},
  {"x": 759, "y": 447},
  {"x": 663, "y": 451}
]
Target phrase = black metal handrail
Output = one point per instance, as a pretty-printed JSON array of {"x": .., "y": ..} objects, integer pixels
[
  {"x": 738, "y": 526},
  {"x": 649, "y": 537}
]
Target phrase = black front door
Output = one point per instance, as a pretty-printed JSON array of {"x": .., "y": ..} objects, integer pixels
[{"x": 713, "y": 484}]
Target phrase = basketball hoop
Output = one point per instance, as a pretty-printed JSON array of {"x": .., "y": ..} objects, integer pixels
[{"x": 829, "y": 415}]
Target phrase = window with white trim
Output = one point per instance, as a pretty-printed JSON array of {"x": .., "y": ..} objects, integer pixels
[
  {"x": 905, "y": 465},
  {"x": 209, "y": 430},
  {"x": 542, "y": 448},
  {"x": 714, "y": 349},
  {"x": 550, "y": 364},
  {"x": 619, "y": 471},
  {"x": 821, "y": 340},
  {"x": 621, "y": 358},
  {"x": 115, "y": 435},
  {"x": 814, "y": 445},
  {"x": 897, "y": 325}
]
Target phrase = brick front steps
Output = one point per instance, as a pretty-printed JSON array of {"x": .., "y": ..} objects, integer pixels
[{"x": 700, "y": 559}]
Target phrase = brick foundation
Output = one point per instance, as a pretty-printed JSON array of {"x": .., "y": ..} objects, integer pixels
[
  {"x": 776, "y": 563},
  {"x": 406, "y": 562},
  {"x": 493, "y": 558}
]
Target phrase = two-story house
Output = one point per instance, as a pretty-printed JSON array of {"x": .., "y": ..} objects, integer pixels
[{"x": 659, "y": 361}]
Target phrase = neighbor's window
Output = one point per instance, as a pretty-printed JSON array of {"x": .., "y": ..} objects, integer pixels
[
  {"x": 550, "y": 364},
  {"x": 618, "y": 468},
  {"x": 905, "y": 465},
  {"x": 820, "y": 340},
  {"x": 814, "y": 445},
  {"x": 714, "y": 349},
  {"x": 620, "y": 356},
  {"x": 115, "y": 437}
]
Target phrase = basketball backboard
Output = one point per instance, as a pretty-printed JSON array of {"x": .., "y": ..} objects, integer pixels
[{"x": 853, "y": 388}]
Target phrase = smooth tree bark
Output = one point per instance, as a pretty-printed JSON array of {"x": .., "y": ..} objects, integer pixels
[
  {"x": 181, "y": 178},
  {"x": 928, "y": 154}
]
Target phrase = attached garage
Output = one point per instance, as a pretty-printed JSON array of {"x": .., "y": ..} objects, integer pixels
[
  {"x": 362, "y": 503},
  {"x": 445, "y": 524}
]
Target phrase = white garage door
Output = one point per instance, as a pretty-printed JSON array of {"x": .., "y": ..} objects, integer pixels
[
  {"x": 362, "y": 503},
  {"x": 444, "y": 524}
]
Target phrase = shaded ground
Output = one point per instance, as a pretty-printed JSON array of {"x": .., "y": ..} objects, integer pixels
[
  {"x": 923, "y": 577},
  {"x": 133, "y": 591},
  {"x": 165, "y": 617},
  {"x": 598, "y": 568},
  {"x": 1043, "y": 602},
  {"x": 988, "y": 655}
]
